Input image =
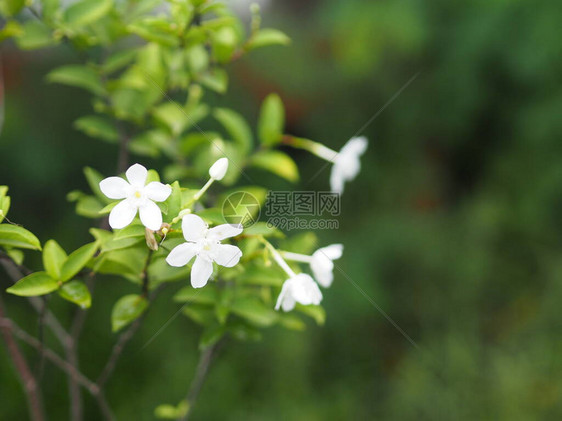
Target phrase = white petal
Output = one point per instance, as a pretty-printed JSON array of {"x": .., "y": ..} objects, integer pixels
[
  {"x": 355, "y": 146},
  {"x": 122, "y": 214},
  {"x": 336, "y": 180},
  {"x": 150, "y": 215},
  {"x": 304, "y": 290},
  {"x": 322, "y": 268},
  {"x": 181, "y": 255},
  {"x": 194, "y": 228},
  {"x": 285, "y": 299},
  {"x": 157, "y": 191},
  {"x": 201, "y": 271},
  {"x": 226, "y": 255},
  {"x": 333, "y": 251},
  {"x": 136, "y": 174},
  {"x": 220, "y": 232},
  {"x": 114, "y": 187}
]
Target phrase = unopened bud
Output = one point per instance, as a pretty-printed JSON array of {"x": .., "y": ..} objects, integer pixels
[
  {"x": 218, "y": 169},
  {"x": 150, "y": 240}
]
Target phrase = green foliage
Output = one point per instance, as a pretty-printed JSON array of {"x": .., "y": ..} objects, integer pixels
[
  {"x": 18, "y": 237},
  {"x": 126, "y": 310},
  {"x": 271, "y": 121},
  {"x": 76, "y": 292},
  {"x": 38, "y": 283}
]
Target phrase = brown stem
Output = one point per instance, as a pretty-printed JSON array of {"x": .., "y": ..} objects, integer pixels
[
  {"x": 16, "y": 272},
  {"x": 201, "y": 372},
  {"x": 68, "y": 368},
  {"x": 29, "y": 383}
]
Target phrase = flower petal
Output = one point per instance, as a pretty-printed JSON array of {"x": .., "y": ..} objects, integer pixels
[
  {"x": 150, "y": 215},
  {"x": 181, "y": 255},
  {"x": 157, "y": 191},
  {"x": 194, "y": 228},
  {"x": 355, "y": 146},
  {"x": 285, "y": 299},
  {"x": 136, "y": 174},
  {"x": 336, "y": 180},
  {"x": 114, "y": 187},
  {"x": 201, "y": 271},
  {"x": 122, "y": 214},
  {"x": 304, "y": 290},
  {"x": 333, "y": 251},
  {"x": 322, "y": 268},
  {"x": 220, "y": 232},
  {"x": 226, "y": 255}
]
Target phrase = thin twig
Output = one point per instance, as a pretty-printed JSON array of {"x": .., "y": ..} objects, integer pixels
[
  {"x": 29, "y": 382},
  {"x": 201, "y": 372},
  {"x": 125, "y": 337},
  {"x": 10, "y": 326}
]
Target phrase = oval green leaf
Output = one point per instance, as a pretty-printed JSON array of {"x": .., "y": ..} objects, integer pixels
[
  {"x": 38, "y": 283},
  {"x": 126, "y": 310}
]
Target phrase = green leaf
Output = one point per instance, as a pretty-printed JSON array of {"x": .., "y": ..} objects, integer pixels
[
  {"x": 236, "y": 126},
  {"x": 278, "y": 163},
  {"x": 97, "y": 126},
  {"x": 76, "y": 292},
  {"x": 38, "y": 283},
  {"x": 126, "y": 310},
  {"x": 271, "y": 122},
  {"x": 188, "y": 294},
  {"x": 35, "y": 35},
  {"x": 10, "y": 29},
  {"x": 89, "y": 206},
  {"x": 242, "y": 331},
  {"x": 211, "y": 335},
  {"x": 93, "y": 178},
  {"x": 174, "y": 202},
  {"x": 316, "y": 312},
  {"x": 53, "y": 258},
  {"x": 254, "y": 311},
  {"x": 4, "y": 202},
  {"x": 171, "y": 412},
  {"x": 265, "y": 37},
  {"x": 216, "y": 80},
  {"x": 200, "y": 314},
  {"x": 133, "y": 230},
  {"x": 16, "y": 236},
  {"x": 118, "y": 60},
  {"x": 11, "y": 7},
  {"x": 86, "y": 12},
  {"x": 77, "y": 75},
  {"x": 173, "y": 116},
  {"x": 77, "y": 260},
  {"x": 292, "y": 322},
  {"x": 264, "y": 229},
  {"x": 264, "y": 276}
]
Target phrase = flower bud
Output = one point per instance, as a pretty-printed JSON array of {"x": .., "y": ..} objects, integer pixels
[
  {"x": 218, "y": 169},
  {"x": 150, "y": 240}
]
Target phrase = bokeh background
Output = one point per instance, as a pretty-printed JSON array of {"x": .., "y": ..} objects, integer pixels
[{"x": 453, "y": 227}]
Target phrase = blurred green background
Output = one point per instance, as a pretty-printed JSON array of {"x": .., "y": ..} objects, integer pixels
[{"x": 453, "y": 226}]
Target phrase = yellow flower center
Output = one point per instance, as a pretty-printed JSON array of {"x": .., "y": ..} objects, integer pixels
[{"x": 137, "y": 195}]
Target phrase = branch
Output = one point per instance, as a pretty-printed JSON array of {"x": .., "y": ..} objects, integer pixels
[
  {"x": 10, "y": 326},
  {"x": 28, "y": 380},
  {"x": 126, "y": 336},
  {"x": 201, "y": 372}
]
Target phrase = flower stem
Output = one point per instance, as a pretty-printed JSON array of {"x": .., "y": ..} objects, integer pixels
[
  {"x": 278, "y": 259},
  {"x": 296, "y": 257},
  {"x": 316, "y": 148}
]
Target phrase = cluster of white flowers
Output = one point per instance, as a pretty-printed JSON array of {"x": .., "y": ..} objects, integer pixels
[
  {"x": 204, "y": 243},
  {"x": 301, "y": 288}
]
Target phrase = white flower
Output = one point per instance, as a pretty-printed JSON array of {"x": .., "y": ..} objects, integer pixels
[
  {"x": 300, "y": 289},
  {"x": 218, "y": 169},
  {"x": 346, "y": 163},
  {"x": 138, "y": 197},
  {"x": 205, "y": 244},
  {"x": 322, "y": 264}
]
